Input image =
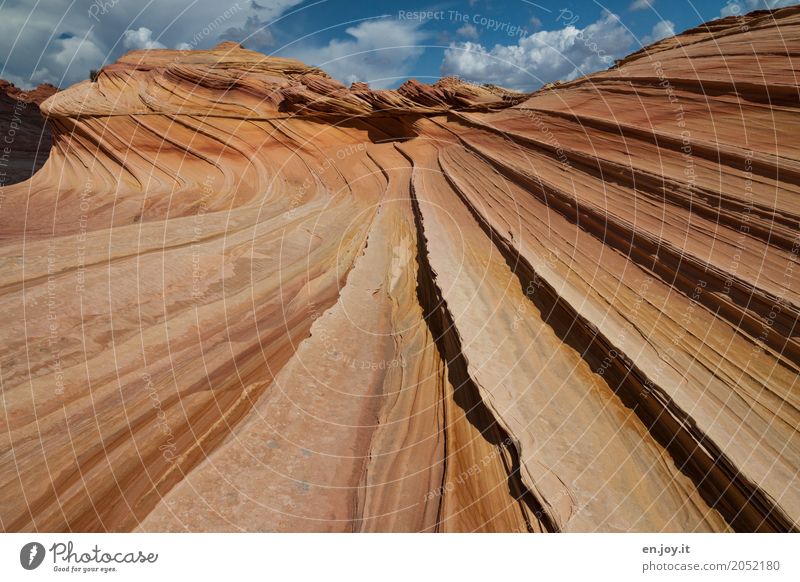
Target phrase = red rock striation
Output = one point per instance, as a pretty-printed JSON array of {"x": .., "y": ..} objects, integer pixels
[{"x": 241, "y": 296}]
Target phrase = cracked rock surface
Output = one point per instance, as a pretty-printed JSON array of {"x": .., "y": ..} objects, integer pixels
[{"x": 240, "y": 296}]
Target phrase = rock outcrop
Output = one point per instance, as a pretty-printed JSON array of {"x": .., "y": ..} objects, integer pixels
[
  {"x": 242, "y": 296},
  {"x": 24, "y": 136}
]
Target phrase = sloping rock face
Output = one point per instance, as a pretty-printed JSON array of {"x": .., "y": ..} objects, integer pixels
[
  {"x": 24, "y": 136},
  {"x": 241, "y": 296}
]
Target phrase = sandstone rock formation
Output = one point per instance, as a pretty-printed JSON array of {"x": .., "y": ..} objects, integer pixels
[
  {"x": 241, "y": 296},
  {"x": 24, "y": 136}
]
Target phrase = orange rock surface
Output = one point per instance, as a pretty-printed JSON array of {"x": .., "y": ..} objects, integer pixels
[{"x": 241, "y": 296}]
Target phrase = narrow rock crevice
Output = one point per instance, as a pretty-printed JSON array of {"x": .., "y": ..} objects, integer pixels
[
  {"x": 744, "y": 505},
  {"x": 466, "y": 394}
]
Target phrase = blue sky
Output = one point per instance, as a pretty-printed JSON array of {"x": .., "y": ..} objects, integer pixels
[{"x": 516, "y": 43}]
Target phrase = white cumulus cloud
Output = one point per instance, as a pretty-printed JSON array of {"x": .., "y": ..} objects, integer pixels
[
  {"x": 541, "y": 57},
  {"x": 38, "y": 38},
  {"x": 641, "y": 4},
  {"x": 142, "y": 38},
  {"x": 468, "y": 31},
  {"x": 72, "y": 57},
  {"x": 662, "y": 29},
  {"x": 378, "y": 52}
]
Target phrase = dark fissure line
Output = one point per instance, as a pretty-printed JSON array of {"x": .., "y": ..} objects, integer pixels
[
  {"x": 744, "y": 506},
  {"x": 465, "y": 393}
]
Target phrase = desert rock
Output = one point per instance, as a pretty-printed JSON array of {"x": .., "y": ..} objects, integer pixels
[{"x": 241, "y": 296}]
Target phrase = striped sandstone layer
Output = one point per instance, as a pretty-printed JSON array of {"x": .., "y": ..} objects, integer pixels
[{"x": 241, "y": 296}]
